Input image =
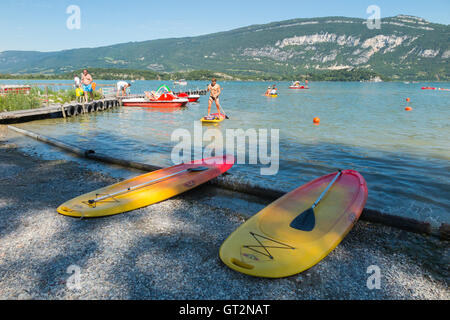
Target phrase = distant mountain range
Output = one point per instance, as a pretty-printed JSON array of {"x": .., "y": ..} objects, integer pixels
[{"x": 405, "y": 47}]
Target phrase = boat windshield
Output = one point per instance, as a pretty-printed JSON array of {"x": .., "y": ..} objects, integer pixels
[{"x": 163, "y": 89}]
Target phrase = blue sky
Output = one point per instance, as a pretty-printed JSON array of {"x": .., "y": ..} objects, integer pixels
[{"x": 41, "y": 25}]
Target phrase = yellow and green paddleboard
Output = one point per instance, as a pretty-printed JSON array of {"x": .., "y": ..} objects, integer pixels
[{"x": 279, "y": 241}]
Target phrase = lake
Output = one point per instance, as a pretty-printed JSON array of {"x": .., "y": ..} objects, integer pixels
[{"x": 404, "y": 156}]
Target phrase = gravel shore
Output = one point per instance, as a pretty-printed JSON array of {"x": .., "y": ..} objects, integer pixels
[{"x": 170, "y": 250}]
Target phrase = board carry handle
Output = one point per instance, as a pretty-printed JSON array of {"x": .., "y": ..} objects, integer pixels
[{"x": 242, "y": 264}]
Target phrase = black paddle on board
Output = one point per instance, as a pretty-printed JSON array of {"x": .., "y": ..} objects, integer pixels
[{"x": 306, "y": 221}]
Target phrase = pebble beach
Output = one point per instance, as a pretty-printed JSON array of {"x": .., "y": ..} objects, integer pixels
[{"x": 170, "y": 250}]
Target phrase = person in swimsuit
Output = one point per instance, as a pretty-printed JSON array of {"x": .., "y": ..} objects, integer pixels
[
  {"x": 215, "y": 90},
  {"x": 87, "y": 80},
  {"x": 274, "y": 90},
  {"x": 151, "y": 95}
]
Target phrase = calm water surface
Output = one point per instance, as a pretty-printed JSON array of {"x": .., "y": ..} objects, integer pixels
[{"x": 404, "y": 156}]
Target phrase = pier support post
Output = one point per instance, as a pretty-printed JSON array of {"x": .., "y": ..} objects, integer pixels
[
  {"x": 63, "y": 111},
  {"x": 46, "y": 96}
]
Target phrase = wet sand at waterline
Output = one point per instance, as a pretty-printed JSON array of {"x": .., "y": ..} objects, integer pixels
[{"x": 170, "y": 250}]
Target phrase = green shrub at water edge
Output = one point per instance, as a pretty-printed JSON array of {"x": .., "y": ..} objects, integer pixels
[
  {"x": 65, "y": 96},
  {"x": 11, "y": 102},
  {"x": 37, "y": 97}
]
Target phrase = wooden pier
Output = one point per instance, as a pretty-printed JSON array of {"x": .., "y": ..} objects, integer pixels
[
  {"x": 72, "y": 109},
  {"x": 58, "y": 111}
]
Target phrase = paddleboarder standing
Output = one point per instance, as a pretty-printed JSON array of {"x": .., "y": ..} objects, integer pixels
[{"x": 215, "y": 90}]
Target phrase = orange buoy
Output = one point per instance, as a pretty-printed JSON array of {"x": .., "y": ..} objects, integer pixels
[
  {"x": 408, "y": 99},
  {"x": 316, "y": 120},
  {"x": 408, "y": 108}
]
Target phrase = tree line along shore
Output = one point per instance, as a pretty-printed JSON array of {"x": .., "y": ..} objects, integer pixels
[
  {"x": 127, "y": 74},
  {"x": 37, "y": 95}
]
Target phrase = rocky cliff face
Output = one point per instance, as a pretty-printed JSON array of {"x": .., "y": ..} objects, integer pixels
[{"x": 401, "y": 42}]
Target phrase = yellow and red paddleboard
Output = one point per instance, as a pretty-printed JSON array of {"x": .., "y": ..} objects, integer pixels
[
  {"x": 146, "y": 189},
  {"x": 216, "y": 117},
  {"x": 267, "y": 245}
]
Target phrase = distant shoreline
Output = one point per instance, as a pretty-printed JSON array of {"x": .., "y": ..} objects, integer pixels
[
  {"x": 198, "y": 75},
  {"x": 113, "y": 74},
  {"x": 233, "y": 80}
]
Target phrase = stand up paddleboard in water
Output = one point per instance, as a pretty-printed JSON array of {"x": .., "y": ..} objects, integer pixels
[
  {"x": 146, "y": 189},
  {"x": 299, "y": 229},
  {"x": 213, "y": 118}
]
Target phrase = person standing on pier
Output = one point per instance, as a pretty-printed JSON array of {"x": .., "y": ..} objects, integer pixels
[
  {"x": 122, "y": 86},
  {"x": 87, "y": 80},
  {"x": 78, "y": 91},
  {"x": 215, "y": 90},
  {"x": 77, "y": 81}
]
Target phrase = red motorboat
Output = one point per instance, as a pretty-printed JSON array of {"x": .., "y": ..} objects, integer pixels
[
  {"x": 298, "y": 87},
  {"x": 433, "y": 88},
  {"x": 162, "y": 98},
  {"x": 190, "y": 97},
  {"x": 164, "y": 101},
  {"x": 142, "y": 102}
]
